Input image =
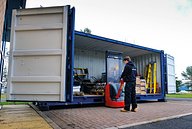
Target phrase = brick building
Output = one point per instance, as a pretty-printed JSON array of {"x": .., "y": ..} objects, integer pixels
[{"x": 2, "y": 13}]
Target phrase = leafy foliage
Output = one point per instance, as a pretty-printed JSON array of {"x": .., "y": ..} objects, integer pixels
[
  {"x": 86, "y": 30},
  {"x": 188, "y": 73},
  {"x": 178, "y": 83}
]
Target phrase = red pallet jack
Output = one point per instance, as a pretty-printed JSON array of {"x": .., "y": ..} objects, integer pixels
[{"x": 115, "y": 101}]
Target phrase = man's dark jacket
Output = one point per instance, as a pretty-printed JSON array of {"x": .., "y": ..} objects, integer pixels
[{"x": 129, "y": 72}]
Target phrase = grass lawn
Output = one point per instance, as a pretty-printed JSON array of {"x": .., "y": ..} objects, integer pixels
[
  {"x": 13, "y": 103},
  {"x": 3, "y": 96},
  {"x": 3, "y": 99},
  {"x": 186, "y": 95}
]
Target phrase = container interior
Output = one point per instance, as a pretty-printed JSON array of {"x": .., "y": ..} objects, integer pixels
[{"x": 90, "y": 54}]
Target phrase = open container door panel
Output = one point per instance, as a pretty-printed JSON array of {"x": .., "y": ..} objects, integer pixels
[
  {"x": 38, "y": 55},
  {"x": 170, "y": 74}
]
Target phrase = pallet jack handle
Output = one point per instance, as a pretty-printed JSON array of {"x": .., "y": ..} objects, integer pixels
[{"x": 120, "y": 89}]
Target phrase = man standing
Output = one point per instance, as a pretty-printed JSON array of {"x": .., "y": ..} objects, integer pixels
[{"x": 129, "y": 76}]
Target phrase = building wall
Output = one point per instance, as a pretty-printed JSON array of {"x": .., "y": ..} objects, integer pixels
[{"x": 2, "y": 12}]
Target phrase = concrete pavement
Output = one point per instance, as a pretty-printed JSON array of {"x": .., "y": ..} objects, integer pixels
[{"x": 21, "y": 117}]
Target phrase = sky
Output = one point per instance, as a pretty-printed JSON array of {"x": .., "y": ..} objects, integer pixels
[{"x": 159, "y": 24}]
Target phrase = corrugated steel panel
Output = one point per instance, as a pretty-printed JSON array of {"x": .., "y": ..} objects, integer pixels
[
  {"x": 93, "y": 60},
  {"x": 38, "y": 54},
  {"x": 142, "y": 61}
]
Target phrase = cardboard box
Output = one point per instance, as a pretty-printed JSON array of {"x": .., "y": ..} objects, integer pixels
[
  {"x": 76, "y": 88},
  {"x": 138, "y": 90},
  {"x": 143, "y": 88},
  {"x": 143, "y": 82},
  {"x": 138, "y": 80},
  {"x": 143, "y": 92}
]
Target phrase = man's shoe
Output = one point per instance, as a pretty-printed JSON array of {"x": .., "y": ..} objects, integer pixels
[
  {"x": 134, "y": 110},
  {"x": 123, "y": 110}
]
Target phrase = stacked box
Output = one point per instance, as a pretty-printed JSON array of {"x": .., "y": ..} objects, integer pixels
[
  {"x": 143, "y": 93},
  {"x": 142, "y": 86},
  {"x": 138, "y": 90},
  {"x": 143, "y": 82},
  {"x": 138, "y": 80},
  {"x": 76, "y": 88}
]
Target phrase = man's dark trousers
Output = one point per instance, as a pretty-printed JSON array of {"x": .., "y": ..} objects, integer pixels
[{"x": 130, "y": 95}]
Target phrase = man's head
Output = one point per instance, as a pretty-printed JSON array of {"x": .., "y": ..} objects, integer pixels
[{"x": 126, "y": 59}]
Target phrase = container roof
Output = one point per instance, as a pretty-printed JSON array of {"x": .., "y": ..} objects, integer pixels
[{"x": 97, "y": 43}]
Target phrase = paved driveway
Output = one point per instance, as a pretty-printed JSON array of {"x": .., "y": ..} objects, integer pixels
[{"x": 103, "y": 117}]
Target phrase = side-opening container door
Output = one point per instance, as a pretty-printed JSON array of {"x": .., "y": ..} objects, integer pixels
[
  {"x": 70, "y": 55},
  {"x": 170, "y": 74},
  {"x": 38, "y": 55}
]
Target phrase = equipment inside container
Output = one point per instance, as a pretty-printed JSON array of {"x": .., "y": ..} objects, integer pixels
[{"x": 90, "y": 66}]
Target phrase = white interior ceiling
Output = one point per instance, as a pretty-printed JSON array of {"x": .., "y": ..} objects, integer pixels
[{"x": 88, "y": 43}]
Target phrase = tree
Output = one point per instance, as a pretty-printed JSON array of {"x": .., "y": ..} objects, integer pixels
[
  {"x": 188, "y": 75},
  {"x": 178, "y": 83},
  {"x": 86, "y": 30}
]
